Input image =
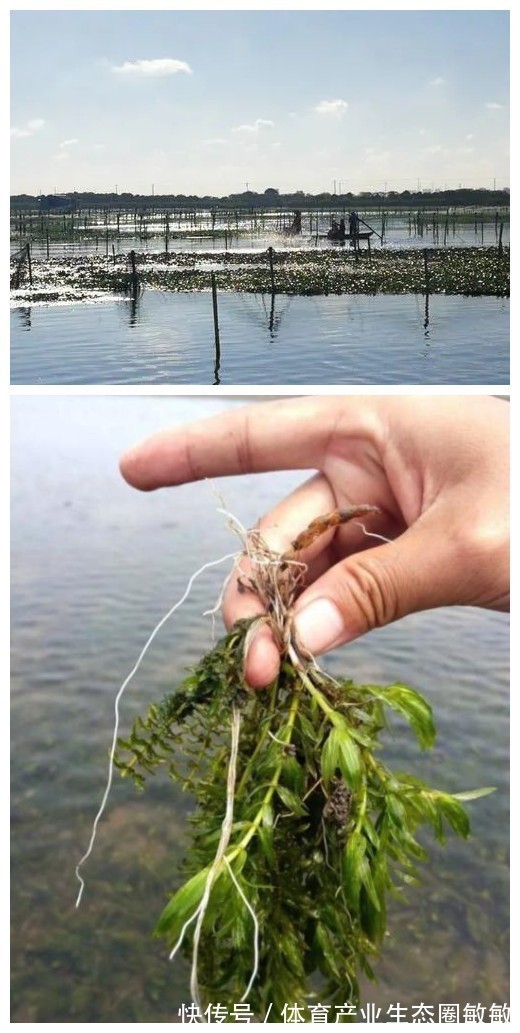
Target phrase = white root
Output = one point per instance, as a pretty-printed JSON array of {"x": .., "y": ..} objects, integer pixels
[
  {"x": 256, "y": 942},
  {"x": 86, "y": 855},
  {"x": 220, "y": 858},
  {"x": 227, "y": 826},
  {"x": 372, "y": 534},
  {"x": 276, "y": 579}
]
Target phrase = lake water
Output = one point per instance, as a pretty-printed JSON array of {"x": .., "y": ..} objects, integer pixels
[
  {"x": 399, "y": 231},
  {"x": 95, "y": 565},
  {"x": 168, "y": 338}
]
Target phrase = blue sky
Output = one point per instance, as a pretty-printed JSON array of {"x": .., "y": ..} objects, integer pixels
[{"x": 205, "y": 102}]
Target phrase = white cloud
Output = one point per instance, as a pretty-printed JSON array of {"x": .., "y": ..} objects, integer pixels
[
  {"x": 158, "y": 67},
  {"x": 216, "y": 141},
  {"x": 438, "y": 81},
  {"x": 434, "y": 148},
  {"x": 255, "y": 127},
  {"x": 69, "y": 143},
  {"x": 470, "y": 136},
  {"x": 493, "y": 106},
  {"x": 30, "y": 128},
  {"x": 331, "y": 107},
  {"x": 61, "y": 156}
]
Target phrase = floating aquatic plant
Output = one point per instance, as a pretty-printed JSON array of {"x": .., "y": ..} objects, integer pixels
[
  {"x": 300, "y": 830},
  {"x": 469, "y": 271}
]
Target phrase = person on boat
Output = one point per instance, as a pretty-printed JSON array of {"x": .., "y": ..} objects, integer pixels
[
  {"x": 353, "y": 224},
  {"x": 342, "y": 231},
  {"x": 297, "y": 222},
  {"x": 334, "y": 228}
]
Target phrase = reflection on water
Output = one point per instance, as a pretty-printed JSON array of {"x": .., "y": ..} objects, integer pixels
[
  {"x": 169, "y": 338},
  {"x": 94, "y": 567},
  {"x": 133, "y": 308},
  {"x": 24, "y": 317},
  {"x": 426, "y": 315}
]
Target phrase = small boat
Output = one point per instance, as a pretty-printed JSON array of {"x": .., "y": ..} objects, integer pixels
[{"x": 338, "y": 235}]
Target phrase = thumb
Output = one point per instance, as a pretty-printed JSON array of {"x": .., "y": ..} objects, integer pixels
[{"x": 377, "y": 586}]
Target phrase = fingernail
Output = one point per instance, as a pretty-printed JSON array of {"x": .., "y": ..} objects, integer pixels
[{"x": 320, "y": 626}]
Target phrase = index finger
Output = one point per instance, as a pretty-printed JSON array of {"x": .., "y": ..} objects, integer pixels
[{"x": 280, "y": 435}]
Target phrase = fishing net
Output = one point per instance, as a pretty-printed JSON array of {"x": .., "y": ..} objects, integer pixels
[{"x": 18, "y": 263}]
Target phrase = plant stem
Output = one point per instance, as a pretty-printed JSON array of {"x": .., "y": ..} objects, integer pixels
[{"x": 295, "y": 702}]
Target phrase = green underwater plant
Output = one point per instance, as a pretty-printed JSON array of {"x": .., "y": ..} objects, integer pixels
[{"x": 300, "y": 831}]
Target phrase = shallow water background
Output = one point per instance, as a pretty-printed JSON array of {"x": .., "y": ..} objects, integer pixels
[
  {"x": 168, "y": 338},
  {"x": 95, "y": 565},
  {"x": 400, "y": 230}
]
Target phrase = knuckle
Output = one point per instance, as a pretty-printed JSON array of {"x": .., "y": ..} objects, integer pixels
[
  {"x": 484, "y": 542},
  {"x": 482, "y": 554},
  {"x": 368, "y": 592},
  {"x": 242, "y": 442}
]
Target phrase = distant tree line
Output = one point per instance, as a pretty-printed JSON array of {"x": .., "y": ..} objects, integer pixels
[{"x": 271, "y": 197}]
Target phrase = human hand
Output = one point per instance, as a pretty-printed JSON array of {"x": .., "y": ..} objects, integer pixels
[{"x": 437, "y": 468}]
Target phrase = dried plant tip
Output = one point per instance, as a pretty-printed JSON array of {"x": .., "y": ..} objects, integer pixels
[{"x": 321, "y": 524}]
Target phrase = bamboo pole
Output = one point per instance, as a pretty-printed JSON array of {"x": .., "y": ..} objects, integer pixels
[
  {"x": 270, "y": 253},
  {"x": 29, "y": 264},
  {"x": 135, "y": 278},
  {"x": 426, "y": 273},
  {"x": 215, "y": 327}
]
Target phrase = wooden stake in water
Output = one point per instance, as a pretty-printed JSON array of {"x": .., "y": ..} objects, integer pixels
[
  {"x": 29, "y": 265},
  {"x": 215, "y": 326},
  {"x": 426, "y": 273},
  {"x": 271, "y": 267},
  {"x": 135, "y": 279}
]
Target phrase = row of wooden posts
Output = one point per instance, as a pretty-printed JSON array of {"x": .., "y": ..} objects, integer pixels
[
  {"x": 25, "y": 254},
  {"x": 418, "y": 221}
]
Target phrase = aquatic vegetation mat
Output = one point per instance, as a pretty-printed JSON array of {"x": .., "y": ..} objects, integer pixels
[
  {"x": 469, "y": 271},
  {"x": 300, "y": 831}
]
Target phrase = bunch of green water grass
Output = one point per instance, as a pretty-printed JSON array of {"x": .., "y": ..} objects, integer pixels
[{"x": 300, "y": 830}]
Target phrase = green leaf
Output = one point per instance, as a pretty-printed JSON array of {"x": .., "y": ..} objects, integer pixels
[
  {"x": 349, "y": 760},
  {"x": 181, "y": 906},
  {"x": 293, "y": 774},
  {"x": 455, "y": 814},
  {"x": 412, "y": 706},
  {"x": 370, "y": 832},
  {"x": 368, "y": 883},
  {"x": 353, "y": 857},
  {"x": 395, "y": 809},
  {"x": 326, "y": 945},
  {"x": 329, "y": 758},
  {"x": 291, "y": 801},
  {"x": 340, "y": 751},
  {"x": 474, "y": 794},
  {"x": 265, "y": 836}
]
